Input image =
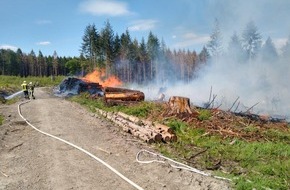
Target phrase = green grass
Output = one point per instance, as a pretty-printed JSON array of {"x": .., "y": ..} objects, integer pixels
[
  {"x": 204, "y": 115},
  {"x": 141, "y": 109},
  {"x": 1, "y": 119},
  {"x": 13, "y": 83},
  {"x": 250, "y": 165},
  {"x": 91, "y": 104}
]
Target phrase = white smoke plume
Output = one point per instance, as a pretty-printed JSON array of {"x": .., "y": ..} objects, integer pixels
[{"x": 263, "y": 86}]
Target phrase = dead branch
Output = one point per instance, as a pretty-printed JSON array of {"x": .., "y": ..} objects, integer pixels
[
  {"x": 251, "y": 107},
  {"x": 12, "y": 148},
  {"x": 237, "y": 106},
  {"x": 210, "y": 94},
  {"x": 196, "y": 154},
  {"x": 234, "y": 103},
  {"x": 214, "y": 96}
]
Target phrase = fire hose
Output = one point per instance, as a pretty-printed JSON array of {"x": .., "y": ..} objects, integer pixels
[
  {"x": 79, "y": 148},
  {"x": 161, "y": 159}
]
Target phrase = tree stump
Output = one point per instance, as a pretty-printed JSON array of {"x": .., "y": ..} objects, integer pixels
[{"x": 179, "y": 104}]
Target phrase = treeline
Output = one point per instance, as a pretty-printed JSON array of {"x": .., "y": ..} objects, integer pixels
[
  {"x": 150, "y": 59},
  {"x": 142, "y": 61},
  {"x": 21, "y": 64},
  {"x": 134, "y": 61},
  {"x": 128, "y": 59}
]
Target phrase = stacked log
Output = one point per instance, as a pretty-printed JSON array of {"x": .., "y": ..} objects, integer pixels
[
  {"x": 146, "y": 130},
  {"x": 122, "y": 94}
]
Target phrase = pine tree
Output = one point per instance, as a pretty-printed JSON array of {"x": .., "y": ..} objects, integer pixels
[
  {"x": 41, "y": 64},
  {"x": 55, "y": 64},
  {"x": 235, "y": 49},
  {"x": 107, "y": 41},
  {"x": 153, "y": 49},
  {"x": 268, "y": 51},
  {"x": 286, "y": 50},
  {"x": 124, "y": 56},
  {"x": 144, "y": 60},
  {"x": 90, "y": 46},
  {"x": 32, "y": 63},
  {"x": 214, "y": 46},
  {"x": 22, "y": 65},
  {"x": 203, "y": 55},
  {"x": 251, "y": 40}
]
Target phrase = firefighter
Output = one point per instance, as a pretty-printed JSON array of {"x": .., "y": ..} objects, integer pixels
[
  {"x": 25, "y": 89},
  {"x": 31, "y": 90}
]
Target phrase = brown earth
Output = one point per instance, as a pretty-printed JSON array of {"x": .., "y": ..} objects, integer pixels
[{"x": 31, "y": 160}]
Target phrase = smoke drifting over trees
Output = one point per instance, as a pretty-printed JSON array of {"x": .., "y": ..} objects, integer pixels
[
  {"x": 248, "y": 66},
  {"x": 250, "y": 70}
]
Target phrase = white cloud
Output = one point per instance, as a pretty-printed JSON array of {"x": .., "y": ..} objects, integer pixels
[
  {"x": 142, "y": 25},
  {"x": 190, "y": 39},
  {"x": 44, "y": 43},
  {"x": 103, "y": 7},
  {"x": 5, "y": 46}
]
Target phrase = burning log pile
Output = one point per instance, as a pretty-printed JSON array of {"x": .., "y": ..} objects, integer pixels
[
  {"x": 146, "y": 130},
  {"x": 73, "y": 86}
]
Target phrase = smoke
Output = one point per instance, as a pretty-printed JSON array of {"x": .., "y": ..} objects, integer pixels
[
  {"x": 262, "y": 86},
  {"x": 258, "y": 86}
]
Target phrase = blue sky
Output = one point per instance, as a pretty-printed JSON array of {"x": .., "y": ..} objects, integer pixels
[{"x": 58, "y": 25}]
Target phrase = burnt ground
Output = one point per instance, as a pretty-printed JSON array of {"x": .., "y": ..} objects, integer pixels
[
  {"x": 247, "y": 126},
  {"x": 31, "y": 160}
]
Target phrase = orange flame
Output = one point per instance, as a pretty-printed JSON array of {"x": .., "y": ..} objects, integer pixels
[{"x": 99, "y": 76}]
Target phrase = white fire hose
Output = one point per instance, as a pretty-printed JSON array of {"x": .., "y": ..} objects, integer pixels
[
  {"x": 79, "y": 148},
  {"x": 178, "y": 165}
]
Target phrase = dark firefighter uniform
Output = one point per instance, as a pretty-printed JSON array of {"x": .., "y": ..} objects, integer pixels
[{"x": 31, "y": 90}]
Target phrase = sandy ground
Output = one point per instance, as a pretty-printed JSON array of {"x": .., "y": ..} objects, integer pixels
[{"x": 31, "y": 160}]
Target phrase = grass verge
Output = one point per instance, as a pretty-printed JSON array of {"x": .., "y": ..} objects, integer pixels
[{"x": 13, "y": 83}]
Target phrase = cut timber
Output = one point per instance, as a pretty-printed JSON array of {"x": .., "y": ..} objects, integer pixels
[
  {"x": 129, "y": 117},
  {"x": 179, "y": 104},
  {"x": 112, "y": 102},
  {"x": 146, "y": 130},
  {"x": 123, "y": 94},
  {"x": 163, "y": 128},
  {"x": 166, "y": 132},
  {"x": 114, "y": 89}
]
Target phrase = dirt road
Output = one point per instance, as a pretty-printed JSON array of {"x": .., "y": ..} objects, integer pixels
[{"x": 31, "y": 160}]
